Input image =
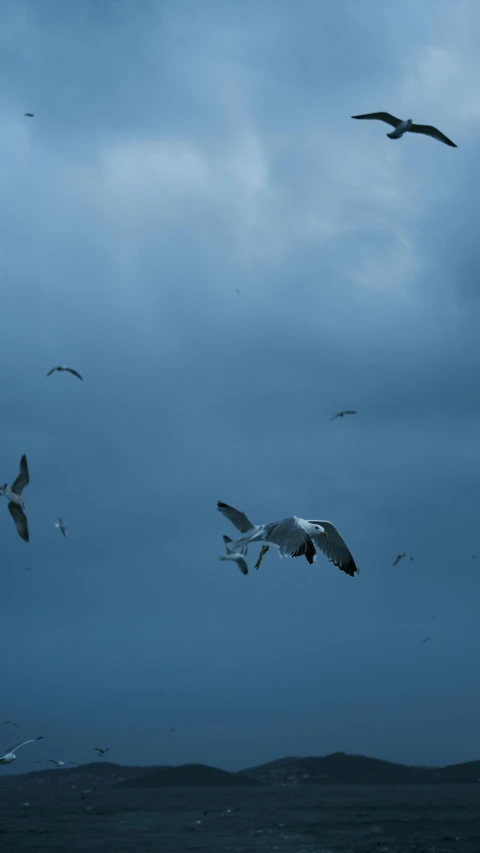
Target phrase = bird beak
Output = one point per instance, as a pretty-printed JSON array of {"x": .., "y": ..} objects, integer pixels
[{"x": 324, "y": 533}]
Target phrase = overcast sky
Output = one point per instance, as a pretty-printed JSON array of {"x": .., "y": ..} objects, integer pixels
[{"x": 181, "y": 151}]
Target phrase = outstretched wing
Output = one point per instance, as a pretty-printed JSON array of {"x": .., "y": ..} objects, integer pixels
[
  {"x": 428, "y": 130},
  {"x": 52, "y": 371},
  {"x": 239, "y": 519},
  {"x": 20, "y": 520},
  {"x": 75, "y": 373},
  {"x": 389, "y": 119},
  {"x": 334, "y": 548},
  {"x": 242, "y": 565},
  {"x": 32, "y": 740},
  {"x": 23, "y": 478}
]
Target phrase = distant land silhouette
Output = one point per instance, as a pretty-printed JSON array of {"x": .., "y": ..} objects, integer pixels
[
  {"x": 339, "y": 768},
  {"x": 189, "y": 776}
]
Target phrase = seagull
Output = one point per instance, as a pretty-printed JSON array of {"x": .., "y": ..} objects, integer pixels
[
  {"x": 237, "y": 558},
  {"x": 343, "y": 413},
  {"x": 400, "y": 557},
  {"x": 61, "y": 367},
  {"x": 426, "y": 639},
  {"x": 16, "y": 505},
  {"x": 294, "y": 537},
  {"x": 10, "y": 723},
  {"x": 60, "y": 525},
  {"x": 101, "y": 751},
  {"x": 402, "y": 127},
  {"x": 241, "y": 522},
  {"x": 29, "y": 115},
  {"x": 62, "y": 763},
  {"x": 10, "y": 753}
]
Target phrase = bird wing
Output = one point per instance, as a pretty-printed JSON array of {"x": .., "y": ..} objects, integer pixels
[
  {"x": 20, "y": 520},
  {"x": 75, "y": 373},
  {"x": 338, "y": 415},
  {"x": 77, "y": 763},
  {"x": 239, "y": 519},
  {"x": 18, "y": 745},
  {"x": 334, "y": 548},
  {"x": 52, "y": 371},
  {"x": 397, "y": 559},
  {"x": 290, "y": 538},
  {"x": 428, "y": 130},
  {"x": 23, "y": 478},
  {"x": 350, "y": 412},
  {"x": 242, "y": 565},
  {"x": 389, "y": 119},
  {"x": 230, "y": 549}
]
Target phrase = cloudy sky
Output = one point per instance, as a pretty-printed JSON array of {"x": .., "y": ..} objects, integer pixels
[{"x": 182, "y": 151}]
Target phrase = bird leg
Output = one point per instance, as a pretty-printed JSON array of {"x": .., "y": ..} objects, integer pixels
[{"x": 261, "y": 555}]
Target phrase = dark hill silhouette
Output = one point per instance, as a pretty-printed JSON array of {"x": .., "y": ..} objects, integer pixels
[
  {"x": 189, "y": 776},
  {"x": 340, "y": 768}
]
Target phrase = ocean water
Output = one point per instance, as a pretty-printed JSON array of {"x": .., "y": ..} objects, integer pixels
[{"x": 340, "y": 819}]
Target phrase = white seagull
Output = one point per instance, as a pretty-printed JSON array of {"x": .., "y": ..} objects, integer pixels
[
  {"x": 60, "y": 526},
  {"x": 62, "y": 763},
  {"x": 10, "y": 753},
  {"x": 62, "y": 367},
  {"x": 234, "y": 556},
  {"x": 402, "y": 126},
  {"x": 16, "y": 505},
  {"x": 294, "y": 537}
]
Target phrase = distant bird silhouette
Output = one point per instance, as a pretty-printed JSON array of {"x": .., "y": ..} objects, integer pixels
[
  {"x": 426, "y": 639},
  {"x": 100, "y": 750},
  {"x": 10, "y": 756},
  {"x": 16, "y": 505},
  {"x": 61, "y": 368},
  {"x": 343, "y": 413},
  {"x": 29, "y": 115},
  {"x": 402, "y": 126},
  {"x": 11, "y": 723},
  {"x": 61, "y": 527},
  {"x": 401, "y": 557},
  {"x": 62, "y": 763}
]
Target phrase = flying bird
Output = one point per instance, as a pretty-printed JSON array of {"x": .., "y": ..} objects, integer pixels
[
  {"x": 29, "y": 115},
  {"x": 237, "y": 558},
  {"x": 10, "y": 723},
  {"x": 62, "y": 763},
  {"x": 60, "y": 525},
  {"x": 10, "y": 756},
  {"x": 101, "y": 751},
  {"x": 401, "y": 557},
  {"x": 294, "y": 537},
  {"x": 16, "y": 506},
  {"x": 239, "y": 520},
  {"x": 343, "y": 413},
  {"x": 402, "y": 126},
  {"x": 69, "y": 369},
  {"x": 426, "y": 639}
]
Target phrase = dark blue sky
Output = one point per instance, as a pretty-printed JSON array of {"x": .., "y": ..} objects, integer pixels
[{"x": 179, "y": 152}]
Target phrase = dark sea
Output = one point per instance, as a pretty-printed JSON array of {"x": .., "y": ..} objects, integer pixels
[{"x": 362, "y": 819}]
